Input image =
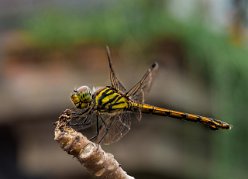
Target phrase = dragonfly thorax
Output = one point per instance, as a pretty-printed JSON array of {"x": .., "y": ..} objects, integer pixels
[{"x": 82, "y": 97}]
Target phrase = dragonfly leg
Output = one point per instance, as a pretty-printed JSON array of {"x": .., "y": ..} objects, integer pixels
[
  {"x": 97, "y": 128},
  {"x": 80, "y": 118},
  {"x": 81, "y": 122},
  {"x": 105, "y": 132},
  {"x": 76, "y": 112}
]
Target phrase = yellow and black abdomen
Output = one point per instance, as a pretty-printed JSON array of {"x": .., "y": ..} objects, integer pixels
[
  {"x": 212, "y": 123},
  {"x": 110, "y": 100}
]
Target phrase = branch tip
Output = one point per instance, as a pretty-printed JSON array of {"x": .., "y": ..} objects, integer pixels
[{"x": 89, "y": 154}]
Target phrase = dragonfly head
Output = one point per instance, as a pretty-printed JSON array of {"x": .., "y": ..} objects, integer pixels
[{"x": 82, "y": 97}]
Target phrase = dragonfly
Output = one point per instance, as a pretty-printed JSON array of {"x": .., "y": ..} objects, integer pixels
[{"x": 112, "y": 108}]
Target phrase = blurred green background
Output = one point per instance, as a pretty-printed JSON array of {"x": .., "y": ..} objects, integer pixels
[{"x": 48, "y": 48}]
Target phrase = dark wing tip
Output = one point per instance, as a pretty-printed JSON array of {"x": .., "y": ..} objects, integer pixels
[
  {"x": 155, "y": 65},
  {"x": 229, "y": 126}
]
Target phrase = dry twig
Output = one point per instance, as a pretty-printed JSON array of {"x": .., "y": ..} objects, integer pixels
[{"x": 91, "y": 155}]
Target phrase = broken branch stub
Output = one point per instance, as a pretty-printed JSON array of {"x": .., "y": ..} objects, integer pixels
[{"x": 91, "y": 155}]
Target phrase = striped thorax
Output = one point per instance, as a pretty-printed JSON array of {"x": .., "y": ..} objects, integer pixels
[{"x": 109, "y": 99}]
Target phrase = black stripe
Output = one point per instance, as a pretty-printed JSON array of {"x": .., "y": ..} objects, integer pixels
[
  {"x": 118, "y": 98},
  {"x": 199, "y": 118},
  {"x": 151, "y": 110},
  {"x": 175, "y": 115},
  {"x": 104, "y": 94},
  {"x": 116, "y": 102},
  {"x": 110, "y": 101},
  {"x": 119, "y": 103},
  {"x": 180, "y": 116},
  {"x": 185, "y": 115},
  {"x": 167, "y": 113}
]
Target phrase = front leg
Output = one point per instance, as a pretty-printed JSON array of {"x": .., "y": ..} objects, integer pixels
[
  {"x": 106, "y": 129},
  {"x": 97, "y": 128}
]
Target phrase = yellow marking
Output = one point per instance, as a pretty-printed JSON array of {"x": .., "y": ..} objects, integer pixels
[
  {"x": 176, "y": 114},
  {"x": 122, "y": 99},
  {"x": 120, "y": 106},
  {"x": 110, "y": 91},
  {"x": 107, "y": 98},
  {"x": 192, "y": 117},
  {"x": 116, "y": 99},
  {"x": 145, "y": 106},
  {"x": 121, "y": 103},
  {"x": 100, "y": 94},
  {"x": 205, "y": 119},
  {"x": 103, "y": 91}
]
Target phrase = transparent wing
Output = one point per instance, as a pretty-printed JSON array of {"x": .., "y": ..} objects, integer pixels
[
  {"x": 114, "y": 80},
  {"x": 82, "y": 118},
  {"x": 138, "y": 91},
  {"x": 115, "y": 128}
]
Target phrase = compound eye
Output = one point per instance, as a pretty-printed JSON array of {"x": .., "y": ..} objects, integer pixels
[{"x": 83, "y": 89}]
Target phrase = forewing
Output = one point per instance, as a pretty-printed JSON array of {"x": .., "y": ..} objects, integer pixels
[
  {"x": 114, "y": 80},
  {"x": 117, "y": 125},
  {"x": 138, "y": 91},
  {"x": 82, "y": 118}
]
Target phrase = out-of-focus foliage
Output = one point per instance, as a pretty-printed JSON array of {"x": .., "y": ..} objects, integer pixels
[
  {"x": 226, "y": 67},
  {"x": 112, "y": 24}
]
